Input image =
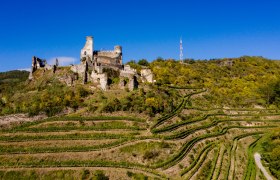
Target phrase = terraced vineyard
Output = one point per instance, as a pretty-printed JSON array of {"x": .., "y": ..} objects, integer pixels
[{"x": 189, "y": 143}]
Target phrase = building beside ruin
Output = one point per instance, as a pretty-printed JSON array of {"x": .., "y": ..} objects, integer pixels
[{"x": 93, "y": 66}]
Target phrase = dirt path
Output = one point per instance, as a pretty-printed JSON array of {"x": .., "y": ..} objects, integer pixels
[
  {"x": 257, "y": 157},
  {"x": 232, "y": 162},
  {"x": 110, "y": 170},
  {"x": 6, "y": 121}
]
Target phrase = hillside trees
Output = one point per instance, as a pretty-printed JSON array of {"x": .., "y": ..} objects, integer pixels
[
  {"x": 271, "y": 152},
  {"x": 270, "y": 92},
  {"x": 143, "y": 62},
  {"x": 50, "y": 99},
  {"x": 236, "y": 82},
  {"x": 153, "y": 101},
  {"x": 244, "y": 83}
]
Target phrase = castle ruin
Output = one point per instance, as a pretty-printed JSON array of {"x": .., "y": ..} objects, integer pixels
[
  {"x": 93, "y": 66},
  {"x": 38, "y": 63},
  {"x": 101, "y": 58}
]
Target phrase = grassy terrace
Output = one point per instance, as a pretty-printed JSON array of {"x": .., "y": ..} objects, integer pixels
[{"x": 205, "y": 145}]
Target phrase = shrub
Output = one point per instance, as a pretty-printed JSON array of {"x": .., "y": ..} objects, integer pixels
[
  {"x": 129, "y": 173},
  {"x": 150, "y": 154},
  {"x": 92, "y": 108},
  {"x": 85, "y": 174},
  {"x": 164, "y": 145},
  {"x": 99, "y": 175},
  {"x": 136, "y": 176},
  {"x": 53, "y": 110},
  {"x": 83, "y": 92},
  {"x": 112, "y": 106}
]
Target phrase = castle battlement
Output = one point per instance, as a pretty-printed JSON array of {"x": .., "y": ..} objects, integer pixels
[
  {"x": 93, "y": 63},
  {"x": 98, "y": 57}
]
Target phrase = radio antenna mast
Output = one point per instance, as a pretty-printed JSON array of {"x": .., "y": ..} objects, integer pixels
[{"x": 181, "y": 50}]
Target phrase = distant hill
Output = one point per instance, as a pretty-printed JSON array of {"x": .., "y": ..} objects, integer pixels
[
  {"x": 10, "y": 81},
  {"x": 15, "y": 75}
]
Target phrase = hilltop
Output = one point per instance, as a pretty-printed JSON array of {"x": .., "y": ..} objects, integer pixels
[
  {"x": 195, "y": 121},
  {"x": 245, "y": 82}
]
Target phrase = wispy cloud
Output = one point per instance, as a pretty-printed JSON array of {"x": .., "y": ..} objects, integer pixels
[
  {"x": 63, "y": 61},
  {"x": 25, "y": 69}
]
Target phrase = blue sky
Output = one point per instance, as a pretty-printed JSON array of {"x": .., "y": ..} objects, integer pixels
[{"x": 146, "y": 29}]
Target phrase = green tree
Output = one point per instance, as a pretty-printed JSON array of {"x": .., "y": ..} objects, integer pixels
[{"x": 143, "y": 62}]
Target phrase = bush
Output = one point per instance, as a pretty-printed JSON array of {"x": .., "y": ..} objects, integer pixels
[
  {"x": 129, "y": 173},
  {"x": 53, "y": 110},
  {"x": 136, "y": 176},
  {"x": 99, "y": 175},
  {"x": 164, "y": 145},
  {"x": 150, "y": 155},
  {"x": 33, "y": 112},
  {"x": 111, "y": 106},
  {"x": 92, "y": 108},
  {"x": 83, "y": 92},
  {"x": 85, "y": 174}
]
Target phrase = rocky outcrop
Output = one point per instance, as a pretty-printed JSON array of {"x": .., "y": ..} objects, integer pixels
[{"x": 147, "y": 75}]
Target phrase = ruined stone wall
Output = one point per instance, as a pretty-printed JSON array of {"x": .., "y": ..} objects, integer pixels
[
  {"x": 100, "y": 57},
  {"x": 131, "y": 83},
  {"x": 147, "y": 75},
  {"x": 128, "y": 69},
  {"x": 110, "y": 54},
  {"x": 38, "y": 63},
  {"x": 87, "y": 51},
  {"x": 101, "y": 79},
  {"x": 109, "y": 58},
  {"x": 81, "y": 70},
  {"x": 105, "y": 60}
]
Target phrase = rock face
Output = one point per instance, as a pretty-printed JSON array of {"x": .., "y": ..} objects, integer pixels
[
  {"x": 91, "y": 67},
  {"x": 147, "y": 75}
]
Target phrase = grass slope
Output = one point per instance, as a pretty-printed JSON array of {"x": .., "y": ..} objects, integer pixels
[{"x": 153, "y": 152}]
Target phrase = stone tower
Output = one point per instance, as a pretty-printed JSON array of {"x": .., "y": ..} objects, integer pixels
[
  {"x": 118, "y": 50},
  {"x": 87, "y": 51}
]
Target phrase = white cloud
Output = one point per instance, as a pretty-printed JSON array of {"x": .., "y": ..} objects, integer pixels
[
  {"x": 63, "y": 61},
  {"x": 25, "y": 69}
]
